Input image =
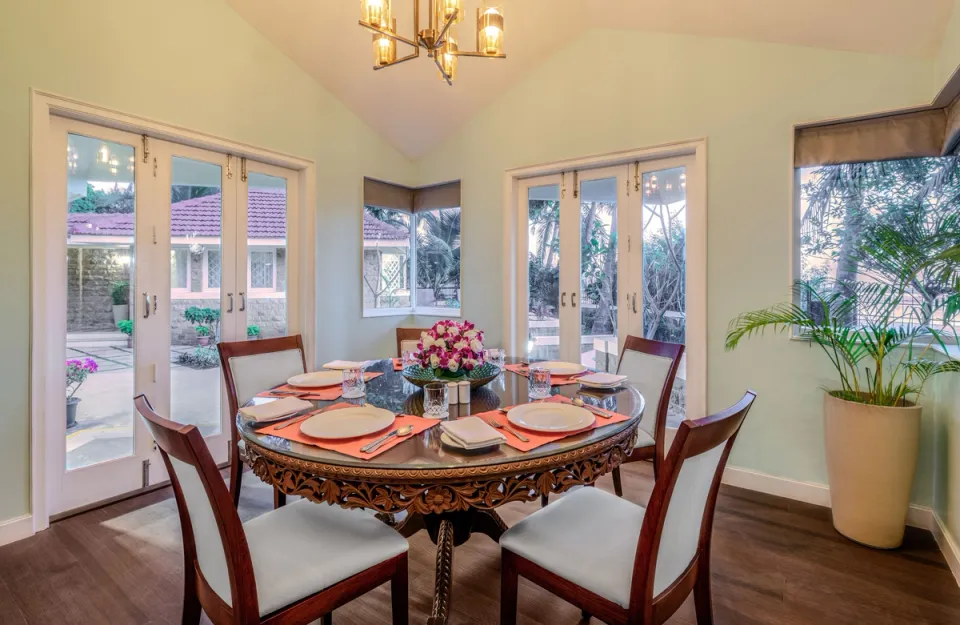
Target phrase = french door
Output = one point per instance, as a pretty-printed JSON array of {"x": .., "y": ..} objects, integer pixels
[
  {"x": 170, "y": 249},
  {"x": 606, "y": 258}
]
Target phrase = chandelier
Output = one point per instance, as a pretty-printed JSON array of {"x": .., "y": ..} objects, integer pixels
[{"x": 439, "y": 39}]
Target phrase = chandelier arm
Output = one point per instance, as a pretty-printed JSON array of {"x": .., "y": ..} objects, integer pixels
[
  {"x": 415, "y": 54},
  {"x": 436, "y": 59},
  {"x": 387, "y": 33},
  {"x": 478, "y": 54},
  {"x": 446, "y": 27}
]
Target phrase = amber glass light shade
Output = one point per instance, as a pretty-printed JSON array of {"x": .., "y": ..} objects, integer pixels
[
  {"x": 490, "y": 30},
  {"x": 385, "y": 48},
  {"x": 446, "y": 8},
  {"x": 448, "y": 60},
  {"x": 375, "y": 12}
]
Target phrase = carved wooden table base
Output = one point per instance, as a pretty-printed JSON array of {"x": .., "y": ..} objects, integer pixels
[{"x": 450, "y": 504}]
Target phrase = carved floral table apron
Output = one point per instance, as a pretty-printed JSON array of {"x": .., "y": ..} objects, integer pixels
[{"x": 423, "y": 485}]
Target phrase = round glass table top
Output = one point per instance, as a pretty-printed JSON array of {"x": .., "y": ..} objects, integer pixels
[{"x": 425, "y": 451}]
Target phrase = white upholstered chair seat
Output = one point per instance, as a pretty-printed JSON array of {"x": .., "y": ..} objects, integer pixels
[
  {"x": 588, "y": 537},
  {"x": 409, "y": 346},
  {"x": 302, "y": 548},
  {"x": 643, "y": 440}
]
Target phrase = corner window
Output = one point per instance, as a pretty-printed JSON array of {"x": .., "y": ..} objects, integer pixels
[
  {"x": 213, "y": 269},
  {"x": 438, "y": 259}
]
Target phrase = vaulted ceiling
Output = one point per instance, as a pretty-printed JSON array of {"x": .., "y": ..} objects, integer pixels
[{"x": 414, "y": 109}]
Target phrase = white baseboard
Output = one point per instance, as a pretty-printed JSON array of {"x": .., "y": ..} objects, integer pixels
[
  {"x": 807, "y": 492},
  {"x": 948, "y": 545},
  {"x": 16, "y": 529}
]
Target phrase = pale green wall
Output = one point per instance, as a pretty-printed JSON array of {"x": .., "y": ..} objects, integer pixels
[
  {"x": 197, "y": 64},
  {"x": 945, "y": 394},
  {"x": 948, "y": 57},
  {"x": 619, "y": 90}
]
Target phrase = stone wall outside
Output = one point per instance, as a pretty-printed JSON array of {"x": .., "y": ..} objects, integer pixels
[{"x": 91, "y": 273}]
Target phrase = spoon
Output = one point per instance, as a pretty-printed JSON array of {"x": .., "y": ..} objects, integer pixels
[
  {"x": 582, "y": 404},
  {"x": 375, "y": 445}
]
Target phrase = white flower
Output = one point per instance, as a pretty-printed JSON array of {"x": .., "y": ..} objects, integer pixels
[
  {"x": 427, "y": 341},
  {"x": 459, "y": 344},
  {"x": 441, "y": 344},
  {"x": 453, "y": 365},
  {"x": 441, "y": 329},
  {"x": 470, "y": 335},
  {"x": 434, "y": 361},
  {"x": 476, "y": 345},
  {"x": 453, "y": 331}
]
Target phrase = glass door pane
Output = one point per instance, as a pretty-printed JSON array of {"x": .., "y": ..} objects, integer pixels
[
  {"x": 543, "y": 313},
  {"x": 664, "y": 268},
  {"x": 265, "y": 301},
  {"x": 196, "y": 214},
  {"x": 597, "y": 295},
  {"x": 101, "y": 218}
]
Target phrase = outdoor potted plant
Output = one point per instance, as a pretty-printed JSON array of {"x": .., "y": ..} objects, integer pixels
[
  {"x": 120, "y": 294},
  {"x": 77, "y": 372},
  {"x": 253, "y": 332},
  {"x": 203, "y": 335},
  {"x": 207, "y": 321},
  {"x": 879, "y": 334},
  {"x": 126, "y": 327}
]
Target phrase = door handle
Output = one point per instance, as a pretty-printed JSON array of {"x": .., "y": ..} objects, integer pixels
[
  {"x": 634, "y": 303},
  {"x": 563, "y": 299},
  {"x": 573, "y": 301},
  {"x": 230, "y": 305},
  {"x": 243, "y": 301},
  {"x": 146, "y": 306}
]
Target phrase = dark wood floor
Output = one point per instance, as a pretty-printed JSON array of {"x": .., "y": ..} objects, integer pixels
[{"x": 775, "y": 561}]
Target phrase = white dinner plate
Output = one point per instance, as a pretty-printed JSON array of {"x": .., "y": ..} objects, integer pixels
[
  {"x": 550, "y": 417},
  {"x": 316, "y": 379},
  {"x": 348, "y": 422},
  {"x": 560, "y": 368}
]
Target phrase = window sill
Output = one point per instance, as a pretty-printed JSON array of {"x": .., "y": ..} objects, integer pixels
[
  {"x": 386, "y": 312},
  {"x": 436, "y": 312},
  {"x": 419, "y": 311}
]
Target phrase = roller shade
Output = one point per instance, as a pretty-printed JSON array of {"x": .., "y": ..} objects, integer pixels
[
  {"x": 386, "y": 195},
  {"x": 438, "y": 196},
  {"x": 904, "y": 135}
]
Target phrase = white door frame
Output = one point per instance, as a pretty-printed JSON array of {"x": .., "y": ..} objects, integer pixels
[
  {"x": 46, "y": 394},
  {"x": 515, "y": 289}
]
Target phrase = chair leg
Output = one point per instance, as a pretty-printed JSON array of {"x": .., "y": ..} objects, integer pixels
[
  {"x": 236, "y": 475},
  {"x": 544, "y": 500},
  {"x": 617, "y": 485},
  {"x": 279, "y": 498},
  {"x": 585, "y": 615},
  {"x": 509, "y": 580},
  {"x": 399, "y": 593},
  {"x": 702, "y": 596},
  {"x": 191, "y": 603},
  {"x": 327, "y": 619}
]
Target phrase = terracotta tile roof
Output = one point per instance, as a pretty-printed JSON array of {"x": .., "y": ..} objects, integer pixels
[{"x": 200, "y": 217}]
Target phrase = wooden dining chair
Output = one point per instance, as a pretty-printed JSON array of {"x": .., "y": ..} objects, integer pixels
[
  {"x": 249, "y": 368},
  {"x": 651, "y": 366},
  {"x": 407, "y": 339},
  {"x": 626, "y": 564},
  {"x": 289, "y": 566}
]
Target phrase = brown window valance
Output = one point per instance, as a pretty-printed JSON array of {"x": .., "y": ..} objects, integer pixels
[{"x": 397, "y": 197}]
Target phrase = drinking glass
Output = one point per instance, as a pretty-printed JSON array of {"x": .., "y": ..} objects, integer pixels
[
  {"x": 410, "y": 358},
  {"x": 539, "y": 382},
  {"x": 496, "y": 356},
  {"x": 436, "y": 401},
  {"x": 353, "y": 383}
]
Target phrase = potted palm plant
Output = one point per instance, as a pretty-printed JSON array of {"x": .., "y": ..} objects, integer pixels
[
  {"x": 879, "y": 333},
  {"x": 120, "y": 295}
]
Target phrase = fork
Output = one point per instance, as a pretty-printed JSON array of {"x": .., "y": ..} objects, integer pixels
[{"x": 501, "y": 426}]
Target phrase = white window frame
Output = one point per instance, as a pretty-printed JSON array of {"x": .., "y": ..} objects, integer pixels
[
  {"x": 413, "y": 309},
  {"x": 205, "y": 271}
]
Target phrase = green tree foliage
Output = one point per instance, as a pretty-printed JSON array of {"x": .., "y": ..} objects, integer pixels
[
  {"x": 438, "y": 253},
  {"x": 116, "y": 200}
]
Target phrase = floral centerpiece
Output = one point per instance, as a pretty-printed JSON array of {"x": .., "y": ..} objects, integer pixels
[
  {"x": 77, "y": 372},
  {"x": 451, "y": 349}
]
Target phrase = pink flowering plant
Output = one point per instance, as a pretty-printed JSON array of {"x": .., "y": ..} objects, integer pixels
[
  {"x": 77, "y": 372},
  {"x": 451, "y": 348}
]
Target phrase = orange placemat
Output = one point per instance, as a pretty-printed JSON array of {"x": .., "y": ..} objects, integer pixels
[
  {"x": 555, "y": 380},
  {"x": 541, "y": 438},
  {"x": 326, "y": 393},
  {"x": 351, "y": 446}
]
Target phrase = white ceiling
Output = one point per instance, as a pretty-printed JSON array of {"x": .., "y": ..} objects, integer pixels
[{"x": 322, "y": 36}]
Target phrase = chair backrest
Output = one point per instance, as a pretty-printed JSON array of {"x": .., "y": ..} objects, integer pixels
[
  {"x": 679, "y": 517},
  {"x": 214, "y": 542},
  {"x": 407, "y": 339},
  {"x": 652, "y": 367},
  {"x": 251, "y": 367}
]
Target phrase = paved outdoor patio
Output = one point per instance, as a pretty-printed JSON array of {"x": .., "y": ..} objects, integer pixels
[{"x": 104, "y": 429}]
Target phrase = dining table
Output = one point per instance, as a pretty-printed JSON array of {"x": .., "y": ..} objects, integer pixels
[{"x": 422, "y": 484}]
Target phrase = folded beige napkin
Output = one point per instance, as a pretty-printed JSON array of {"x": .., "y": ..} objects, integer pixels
[
  {"x": 340, "y": 365},
  {"x": 275, "y": 409},
  {"x": 472, "y": 433}
]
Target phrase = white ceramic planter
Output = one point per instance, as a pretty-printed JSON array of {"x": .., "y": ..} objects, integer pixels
[{"x": 871, "y": 460}]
